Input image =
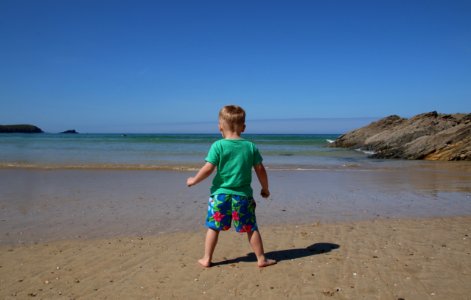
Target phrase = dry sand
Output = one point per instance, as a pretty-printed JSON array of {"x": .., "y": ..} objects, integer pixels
[{"x": 381, "y": 259}]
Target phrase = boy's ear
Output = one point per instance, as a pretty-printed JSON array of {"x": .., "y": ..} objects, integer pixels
[{"x": 243, "y": 128}]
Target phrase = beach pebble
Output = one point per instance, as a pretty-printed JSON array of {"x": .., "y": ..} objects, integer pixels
[
  {"x": 354, "y": 274},
  {"x": 46, "y": 282}
]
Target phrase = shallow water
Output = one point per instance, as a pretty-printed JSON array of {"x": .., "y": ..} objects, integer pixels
[{"x": 43, "y": 205}]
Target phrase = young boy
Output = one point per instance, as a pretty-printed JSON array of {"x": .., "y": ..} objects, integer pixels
[{"x": 231, "y": 194}]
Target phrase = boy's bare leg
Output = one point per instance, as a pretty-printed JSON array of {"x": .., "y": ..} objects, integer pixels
[
  {"x": 209, "y": 246},
  {"x": 255, "y": 240}
]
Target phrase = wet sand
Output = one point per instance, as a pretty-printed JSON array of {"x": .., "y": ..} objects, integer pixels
[
  {"x": 47, "y": 205},
  {"x": 346, "y": 234}
]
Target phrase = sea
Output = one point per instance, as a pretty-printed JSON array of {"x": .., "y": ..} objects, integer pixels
[{"x": 166, "y": 151}]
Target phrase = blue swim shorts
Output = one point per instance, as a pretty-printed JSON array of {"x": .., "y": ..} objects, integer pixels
[{"x": 224, "y": 209}]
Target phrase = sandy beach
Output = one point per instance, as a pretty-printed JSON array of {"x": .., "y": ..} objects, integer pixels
[
  {"x": 136, "y": 234},
  {"x": 382, "y": 259}
]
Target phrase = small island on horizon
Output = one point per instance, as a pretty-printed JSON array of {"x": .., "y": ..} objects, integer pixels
[{"x": 70, "y": 131}]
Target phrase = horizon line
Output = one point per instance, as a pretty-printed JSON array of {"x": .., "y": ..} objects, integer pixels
[{"x": 174, "y": 133}]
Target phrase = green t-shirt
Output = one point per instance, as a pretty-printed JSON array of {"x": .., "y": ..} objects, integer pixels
[{"x": 234, "y": 159}]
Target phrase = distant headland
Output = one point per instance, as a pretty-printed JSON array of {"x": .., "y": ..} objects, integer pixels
[
  {"x": 27, "y": 128},
  {"x": 429, "y": 136},
  {"x": 20, "y": 128}
]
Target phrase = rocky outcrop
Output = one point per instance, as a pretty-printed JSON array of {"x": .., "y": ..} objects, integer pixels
[
  {"x": 430, "y": 136},
  {"x": 20, "y": 128},
  {"x": 70, "y": 131}
]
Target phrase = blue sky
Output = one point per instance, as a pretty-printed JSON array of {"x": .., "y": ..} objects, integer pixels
[{"x": 168, "y": 66}]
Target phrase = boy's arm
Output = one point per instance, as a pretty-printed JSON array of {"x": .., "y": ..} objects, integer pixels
[
  {"x": 263, "y": 178},
  {"x": 202, "y": 174}
]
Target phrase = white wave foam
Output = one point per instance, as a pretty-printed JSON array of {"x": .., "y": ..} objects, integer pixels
[{"x": 367, "y": 152}]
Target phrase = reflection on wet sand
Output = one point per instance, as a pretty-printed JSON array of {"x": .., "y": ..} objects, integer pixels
[{"x": 38, "y": 205}]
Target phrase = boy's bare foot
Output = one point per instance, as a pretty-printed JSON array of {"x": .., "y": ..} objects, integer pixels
[
  {"x": 266, "y": 263},
  {"x": 204, "y": 262}
]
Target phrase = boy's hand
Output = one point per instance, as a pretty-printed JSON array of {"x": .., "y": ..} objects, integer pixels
[
  {"x": 190, "y": 181},
  {"x": 265, "y": 193}
]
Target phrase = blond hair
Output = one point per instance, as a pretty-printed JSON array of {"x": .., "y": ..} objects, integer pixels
[{"x": 233, "y": 117}]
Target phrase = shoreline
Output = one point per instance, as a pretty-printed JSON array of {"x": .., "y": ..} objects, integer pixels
[
  {"x": 47, "y": 205},
  {"x": 367, "y": 164},
  {"x": 396, "y": 258}
]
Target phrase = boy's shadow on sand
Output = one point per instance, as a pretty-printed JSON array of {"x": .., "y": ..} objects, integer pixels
[{"x": 280, "y": 255}]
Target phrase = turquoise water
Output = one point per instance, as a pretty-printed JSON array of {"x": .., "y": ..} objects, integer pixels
[{"x": 154, "y": 151}]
